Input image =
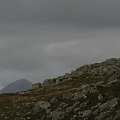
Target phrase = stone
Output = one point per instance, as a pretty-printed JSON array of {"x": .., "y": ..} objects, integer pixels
[
  {"x": 84, "y": 104},
  {"x": 96, "y": 106},
  {"x": 62, "y": 104},
  {"x": 69, "y": 109},
  {"x": 86, "y": 113},
  {"x": 84, "y": 86},
  {"x": 76, "y": 104},
  {"x": 93, "y": 89},
  {"x": 109, "y": 104},
  {"x": 42, "y": 105},
  {"x": 58, "y": 81},
  {"x": 100, "y": 97},
  {"x": 117, "y": 115},
  {"x": 28, "y": 118},
  {"x": 48, "y": 111},
  {"x": 103, "y": 115},
  {"x": 110, "y": 118},
  {"x": 57, "y": 115},
  {"x": 79, "y": 95},
  {"x": 54, "y": 100},
  {"x": 95, "y": 112},
  {"x": 36, "y": 86},
  {"x": 68, "y": 96}
]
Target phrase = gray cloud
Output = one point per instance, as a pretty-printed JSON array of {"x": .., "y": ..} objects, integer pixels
[
  {"x": 45, "y": 38},
  {"x": 83, "y": 12}
]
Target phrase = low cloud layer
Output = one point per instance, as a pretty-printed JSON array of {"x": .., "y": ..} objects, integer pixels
[
  {"x": 43, "y": 39},
  {"x": 93, "y": 13}
]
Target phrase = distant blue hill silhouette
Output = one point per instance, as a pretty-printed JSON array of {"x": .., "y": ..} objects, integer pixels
[{"x": 17, "y": 86}]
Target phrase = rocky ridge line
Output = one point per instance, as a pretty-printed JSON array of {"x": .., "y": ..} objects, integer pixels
[{"x": 107, "y": 70}]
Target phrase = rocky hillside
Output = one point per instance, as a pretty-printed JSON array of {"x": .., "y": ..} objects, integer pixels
[
  {"x": 106, "y": 71},
  {"x": 91, "y": 92}
]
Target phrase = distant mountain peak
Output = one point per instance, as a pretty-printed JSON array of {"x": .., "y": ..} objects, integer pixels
[{"x": 17, "y": 86}]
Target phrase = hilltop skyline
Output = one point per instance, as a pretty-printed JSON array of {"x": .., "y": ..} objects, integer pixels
[{"x": 44, "y": 39}]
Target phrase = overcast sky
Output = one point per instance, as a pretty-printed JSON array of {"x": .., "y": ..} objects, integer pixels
[{"x": 42, "y": 39}]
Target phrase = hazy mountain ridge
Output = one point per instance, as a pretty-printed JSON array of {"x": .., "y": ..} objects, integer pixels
[
  {"x": 17, "y": 86},
  {"x": 91, "y": 92}
]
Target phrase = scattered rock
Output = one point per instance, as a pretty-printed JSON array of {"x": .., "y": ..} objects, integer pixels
[
  {"x": 94, "y": 95},
  {"x": 42, "y": 105},
  {"x": 54, "y": 100},
  {"x": 86, "y": 113},
  {"x": 109, "y": 104},
  {"x": 103, "y": 115},
  {"x": 100, "y": 97},
  {"x": 117, "y": 116}
]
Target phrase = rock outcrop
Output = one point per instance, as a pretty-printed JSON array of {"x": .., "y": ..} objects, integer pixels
[{"x": 107, "y": 70}]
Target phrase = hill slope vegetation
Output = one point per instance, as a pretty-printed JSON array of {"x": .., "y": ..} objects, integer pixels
[{"x": 91, "y": 92}]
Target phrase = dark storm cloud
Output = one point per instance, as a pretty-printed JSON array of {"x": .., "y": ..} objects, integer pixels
[
  {"x": 41, "y": 39},
  {"x": 83, "y": 12}
]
